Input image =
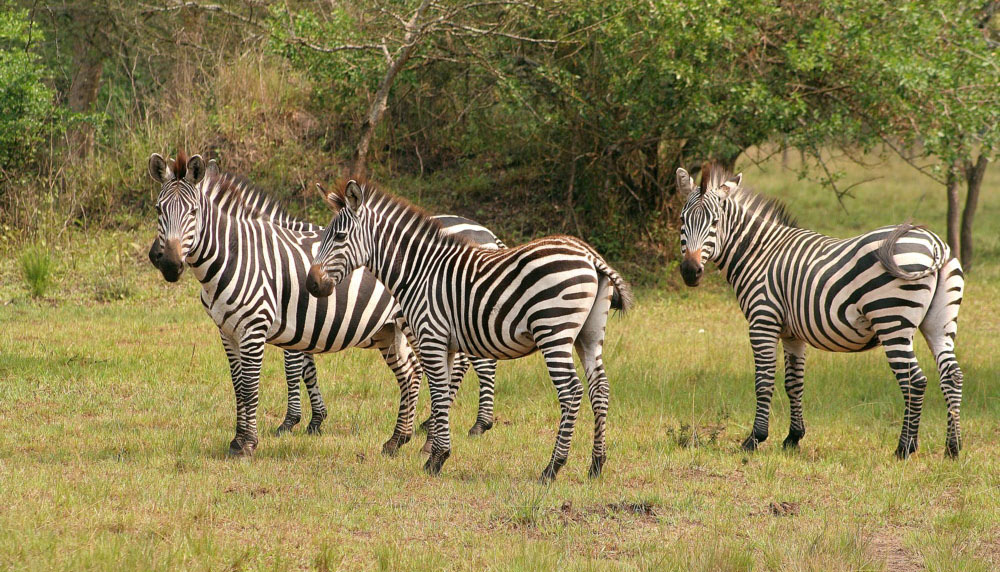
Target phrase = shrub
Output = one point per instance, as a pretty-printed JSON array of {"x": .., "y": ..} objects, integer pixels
[{"x": 36, "y": 265}]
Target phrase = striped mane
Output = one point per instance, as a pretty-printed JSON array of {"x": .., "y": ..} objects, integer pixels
[
  {"x": 237, "y": 196},
  {"x": 378, "y": 199},
  {"x": 754, "y": 203}
]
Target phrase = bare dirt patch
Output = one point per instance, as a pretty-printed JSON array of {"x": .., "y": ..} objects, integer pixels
[{"x": 887, "y": 546}]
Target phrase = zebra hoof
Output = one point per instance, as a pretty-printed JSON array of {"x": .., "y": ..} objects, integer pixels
[
  {"x": 905, "y": 449},
  {"x": 596, "y": 465},
  {"x": 238, "y": 448},
  {"x": 790, "y": 444},
  {"x": 392, "y": 446},
  {"x": 750, "y": 444},
  {"x": 314, "y": 428},
  {"x": 284, "y": 429},
  {"x": 479, "y": 428},
  {"x": 426, "y": 425},
  {"x": 550, "y": 472},
  {"x": 951, "y": 450},
  {"x": 435, "y": 462},
  {"x": 427, "y": 446}
]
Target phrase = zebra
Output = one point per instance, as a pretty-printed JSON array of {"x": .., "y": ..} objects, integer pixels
[
  {"x": 549, "y": 295},
  {"x": 250, "y": 257},
  {"x": 838, "y": 295}
]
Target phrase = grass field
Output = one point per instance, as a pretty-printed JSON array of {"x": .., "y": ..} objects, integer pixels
[{"x": 115, "y": 418}]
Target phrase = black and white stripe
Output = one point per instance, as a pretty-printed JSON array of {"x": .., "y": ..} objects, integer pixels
[
  {"x": 251, "y": 257},
  {"x": 839, "y": 295},
  {"x": 551, "y": 295}
]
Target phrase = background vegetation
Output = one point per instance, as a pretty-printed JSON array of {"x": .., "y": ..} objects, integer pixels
[{"x": 578, "y": 112}]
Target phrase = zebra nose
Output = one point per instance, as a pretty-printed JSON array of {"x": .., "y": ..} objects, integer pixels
[{"x": 317, "y": 283}]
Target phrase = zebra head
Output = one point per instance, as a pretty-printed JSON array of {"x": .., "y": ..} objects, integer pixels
[
  {"x": 346, "y": 244},
  {"x": 177, "y": 209},
  {"x": 700, "y": 219}
]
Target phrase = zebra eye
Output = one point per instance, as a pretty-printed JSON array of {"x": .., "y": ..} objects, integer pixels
[{"x": 339, "y": 235}]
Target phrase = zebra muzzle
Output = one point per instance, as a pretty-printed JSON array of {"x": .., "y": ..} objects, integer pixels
[
  {"x": 317, "y": 282},
  {"x": 691, "y": 271}
]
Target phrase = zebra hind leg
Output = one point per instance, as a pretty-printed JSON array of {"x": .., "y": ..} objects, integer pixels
[
  {"x": 293, "y": 375},
  {"x": 399, "y": 356},
  {"x": 559, "y": 361},
  {"x": 795, "y": 364},
  {"x": 939, "y": 327},
  {"x": 486, "y": 371},
  {"x": 315, "y": 397},
  {"x": 898, "y": 342}
]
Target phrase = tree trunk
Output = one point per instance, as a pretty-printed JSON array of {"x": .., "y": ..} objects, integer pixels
[
  {"x": 974, "y": 181},
  {"x": 359, "y": 164},
  {"x": 89, "y": 67},
  {"x": 951, "y": 185}
]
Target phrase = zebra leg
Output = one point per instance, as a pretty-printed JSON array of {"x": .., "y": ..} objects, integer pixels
[
  {"x": 438, "y": 363},
  {"x": 795, "y": 365},
  {"x": 398, "y": 355},
  {"x": 486, "y": 371},
  {"x": 251, "y": 357},
  {"x": 459, "y": 368},
  {"x": 236, "y": 372},
  {"x": 316, "y": 404},
  {"x": 589, "y": 346},
  {"x": 898, "y": 342},
  {"x": 293, "y": 376},
  {"x": 559, "y": 360},
  {"x": 764, "y": 342},
  {"x": 939, "y": 327}
]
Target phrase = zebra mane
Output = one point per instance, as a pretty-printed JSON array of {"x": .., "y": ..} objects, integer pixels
[
  {"x": 237, "y": 196},
  {"x": 756, "y": 204},
  {"x": 382, "y": 200}
]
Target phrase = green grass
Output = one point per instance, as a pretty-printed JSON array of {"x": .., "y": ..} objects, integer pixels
[
  {"x": 115, "y": 418},
  {"x": 36, "y": 268}
]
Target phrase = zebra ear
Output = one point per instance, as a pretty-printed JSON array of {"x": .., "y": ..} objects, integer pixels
[
  {"x": 684, "y": 186},
  {"x": 354, "y": 195},
  {"x": 732, "y": 184},
  {"x": 195, "y": 170},
  {"x": 332, "y": 198},
  {"x": 158, "y": 169},
  {"x": 212, "y": 170}
]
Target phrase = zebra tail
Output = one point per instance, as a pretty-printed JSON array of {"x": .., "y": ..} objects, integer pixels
[
  {"x": 941, "y": 254},
  {"x": 622, "y": 298}
]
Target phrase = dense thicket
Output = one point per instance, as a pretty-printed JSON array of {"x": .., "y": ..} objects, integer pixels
[{"x": 532, "y": 116}]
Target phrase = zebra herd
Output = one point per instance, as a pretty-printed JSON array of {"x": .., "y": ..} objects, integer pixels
[{"x": 435, "y": 295}]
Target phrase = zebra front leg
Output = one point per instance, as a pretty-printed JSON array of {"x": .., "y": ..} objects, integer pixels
[
  {"x": 399, "y": 356},
  {"x": 486, "y": 371},
  {"x": 236, "y": 373},
  {"x": 458, "y": 370},
  {"x": 764, "y": 342},
  {"x": 795, "y": 366},
  {"x": 437, "y": 363},
  {"x": 898, "y": 344},
  {"x": 559, "y": 361},
  {"x": 316, "y": 405},
  {"x": 293, "y": 376},
  {"x": 251, "y": 357}
]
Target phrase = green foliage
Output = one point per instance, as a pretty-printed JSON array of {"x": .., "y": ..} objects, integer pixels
[
  {"x": 36, "y": 268},
  {"x": 25, "y": 99}
]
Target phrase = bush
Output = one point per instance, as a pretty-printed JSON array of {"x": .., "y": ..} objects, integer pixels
[
  {"x": 26, "y": 102},
  {"x": 36, "y": 265}
]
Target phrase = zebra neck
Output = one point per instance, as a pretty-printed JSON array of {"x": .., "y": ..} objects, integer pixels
[
  {"x": 407, "y": 258},
  {"x": 746, "y": 246}
]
